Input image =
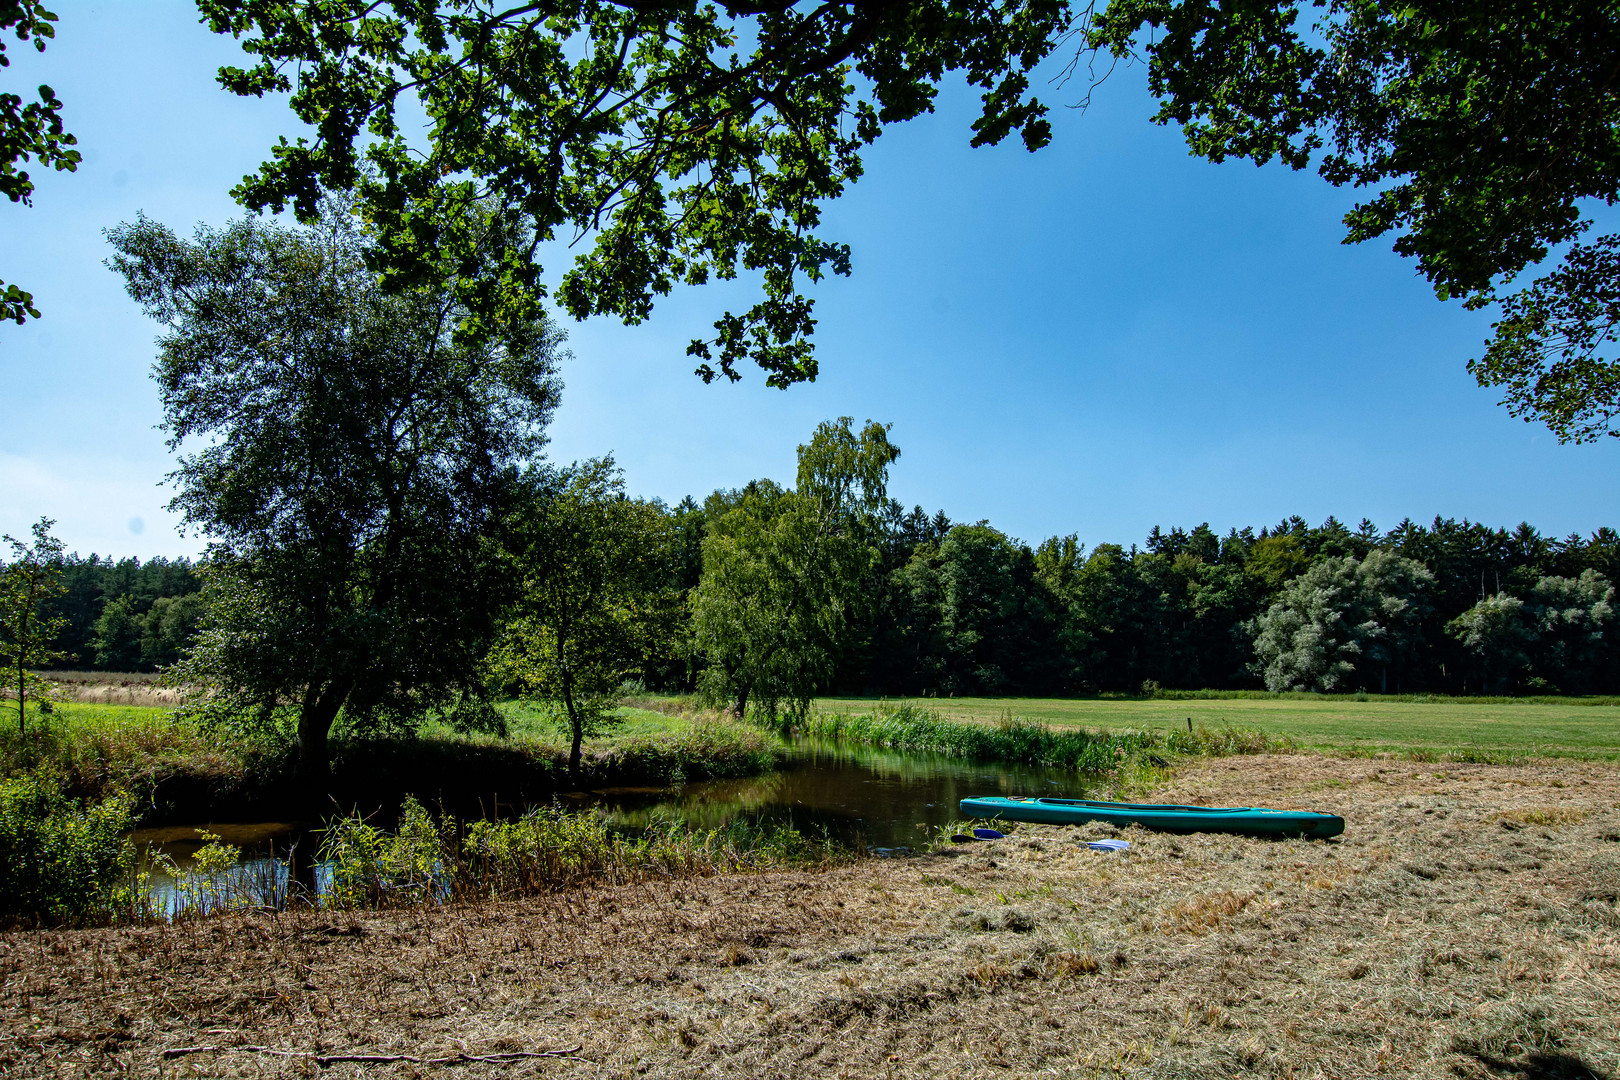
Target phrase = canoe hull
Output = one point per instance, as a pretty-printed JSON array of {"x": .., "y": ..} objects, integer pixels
[{"x": 1246, "y": 820}]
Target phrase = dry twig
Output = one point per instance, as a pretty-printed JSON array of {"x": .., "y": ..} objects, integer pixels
[{"x": 370, "y": 1059}]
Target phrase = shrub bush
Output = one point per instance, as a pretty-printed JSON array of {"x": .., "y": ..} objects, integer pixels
[{"x": 63, "y": 863}]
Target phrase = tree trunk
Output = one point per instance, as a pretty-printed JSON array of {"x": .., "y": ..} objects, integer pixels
[
  {"x": 742, "y": 702},
  {"x": 22, "y": 655},
  {"x": 314, "y": 725},
  {"x": 578, "y": 727}
]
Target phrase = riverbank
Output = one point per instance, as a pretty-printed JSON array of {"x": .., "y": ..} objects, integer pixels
[
  {"x": 181, "y": 773},
  {"x": 1466, "y": 924}
]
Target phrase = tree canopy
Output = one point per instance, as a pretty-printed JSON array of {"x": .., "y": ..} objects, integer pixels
[
  {"x": 29, "y": 588},
  {"x": 1486, "y": 132},
  {"x": 676, "y": 141},
  {"x": 351, "y": 461},
  {"x": 784, "y": 571},
  {"x": 595, "y": 598},
  {"x": 28, "y": 132}
]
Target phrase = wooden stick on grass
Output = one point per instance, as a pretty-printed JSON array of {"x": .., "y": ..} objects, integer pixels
[{"x": 370, "y": 1059}]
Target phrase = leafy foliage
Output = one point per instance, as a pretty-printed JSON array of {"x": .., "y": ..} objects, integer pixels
[
  {"x": 595, "y": 601},
  {"x": 684, "y": 141},
  {"x": 783, "y": 570},
  {"x": 373, "y": 868},
  {"x": 1496, "y": 637},
  {"x": 1574, "y": 617},
  {"x": 353, "y": 460},
  {"x": 158, "y": 606},
  {"x": 1189, "y": 609},
  {"x": 127, "y": 639},
  {"x": 1485, "y": 130},
  {"x": 1550, "y": 346},
  {"x": 29, "y": 589},
  {"x": 28, "y": 132},
  {"x": 62, "y": 863},
  {"x": 1341, "y": 616}
]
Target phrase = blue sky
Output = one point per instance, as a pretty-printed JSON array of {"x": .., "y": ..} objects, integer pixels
[{"x": 1098, "y": 338}]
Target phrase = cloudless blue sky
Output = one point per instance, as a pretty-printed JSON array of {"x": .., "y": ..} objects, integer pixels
[{"x": 1097, "y": 338}]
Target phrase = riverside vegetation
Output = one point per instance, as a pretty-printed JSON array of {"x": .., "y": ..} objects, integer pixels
[
  {"x": 85, "y": 773},
  {"x": 1465, "y": 926}
]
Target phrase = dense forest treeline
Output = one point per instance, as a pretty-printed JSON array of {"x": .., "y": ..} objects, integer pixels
[
  {"x": 1454, "y": 606},
  {"x": 126, "y": 615},
  {"x": 965, "y": 609}
]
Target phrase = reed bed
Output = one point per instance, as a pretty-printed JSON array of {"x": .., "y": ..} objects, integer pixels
[
  {"x": 432, "y": 859},
  {"x": 115, "y": 688},
  {"x": 1120, "y": 753}
]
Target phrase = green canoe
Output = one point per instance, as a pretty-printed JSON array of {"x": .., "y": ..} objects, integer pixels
[{"x": 1250, "y": 820}]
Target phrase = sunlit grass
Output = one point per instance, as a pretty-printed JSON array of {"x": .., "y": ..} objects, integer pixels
[{"x": 1489, "y": 730}]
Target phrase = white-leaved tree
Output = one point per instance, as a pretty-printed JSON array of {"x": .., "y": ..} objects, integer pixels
[
  {"x": 1574, "y": 626},
  {"x": 1496, "y": 636},
  {"x": 1344, "y": 622}
]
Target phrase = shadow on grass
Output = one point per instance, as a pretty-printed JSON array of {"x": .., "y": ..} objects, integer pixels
[{"x": 1540, "y": 1066}]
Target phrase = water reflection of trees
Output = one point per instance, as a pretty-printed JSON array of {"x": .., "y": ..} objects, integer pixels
[{"x": 858, "y": 793}]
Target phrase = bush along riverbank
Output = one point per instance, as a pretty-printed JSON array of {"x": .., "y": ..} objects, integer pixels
[
  {"x": 176, "y": 771},
  {"x": 67, "y": 863},
  {"x": 432, "y": 859},
  {"x": 64, "y": 862},
  {"x": 1127, "y": 760}
]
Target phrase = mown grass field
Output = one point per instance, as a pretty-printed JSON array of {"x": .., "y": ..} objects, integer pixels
[
  {"x": 1572, "y": 728},
  {"x": 1463, "y": 928}
]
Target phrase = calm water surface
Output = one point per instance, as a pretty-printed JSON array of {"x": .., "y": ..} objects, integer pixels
[{"x": 874, "y": 798}]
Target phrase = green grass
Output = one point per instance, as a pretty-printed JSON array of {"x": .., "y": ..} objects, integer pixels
[
  {"x": 1491, "y": 729},
  {"x": 530, "y": 724},
  {"x": 919, "y": 729}
]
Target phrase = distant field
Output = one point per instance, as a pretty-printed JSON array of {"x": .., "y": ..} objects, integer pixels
[
  {"x": 1566, "y": 729},
  {"x": 524, "y": 723},
  {"x": 1569, "y": 728}
]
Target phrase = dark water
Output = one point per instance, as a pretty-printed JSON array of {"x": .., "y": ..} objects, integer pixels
[{"x": 877, "y": 799}]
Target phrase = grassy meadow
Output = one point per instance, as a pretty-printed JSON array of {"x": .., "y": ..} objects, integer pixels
[{"x": 1587, "y": 728}]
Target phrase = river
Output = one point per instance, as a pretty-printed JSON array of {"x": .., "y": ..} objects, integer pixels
[{"x": 882, "y": 801}]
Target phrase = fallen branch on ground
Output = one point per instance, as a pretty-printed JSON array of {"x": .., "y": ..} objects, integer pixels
[{"x": 370, "y": 1059}]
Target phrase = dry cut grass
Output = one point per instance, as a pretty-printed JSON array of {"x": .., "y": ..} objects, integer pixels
[
  {"x": 114, "y": 688},
  {"x": 1465, "y": 925}
]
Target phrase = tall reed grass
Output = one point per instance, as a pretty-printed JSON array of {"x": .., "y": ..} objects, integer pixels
[{"x": 1018, "y": 741}]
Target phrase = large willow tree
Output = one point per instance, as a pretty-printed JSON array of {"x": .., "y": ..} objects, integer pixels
[
  {"x": 784, "y": 571},
  {"x": 350, "y": 457}
]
